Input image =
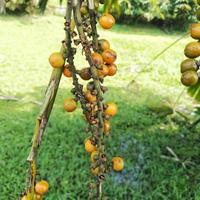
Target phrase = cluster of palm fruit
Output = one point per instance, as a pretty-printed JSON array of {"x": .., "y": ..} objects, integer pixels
[
  {"x": 190, "y": 66},
  {"x": 96, "y": 113}
]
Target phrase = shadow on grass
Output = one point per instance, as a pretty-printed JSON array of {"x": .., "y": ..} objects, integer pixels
[{"x": 138, "y": 134}]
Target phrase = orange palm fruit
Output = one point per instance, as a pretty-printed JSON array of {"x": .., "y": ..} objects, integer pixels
[
  {"x": 90, "y": 97},
  {"x": 195, "y": 31},
  {"x": 41, "y": 187},
  {"x": 118, "y": 163},
  {"x": 89, "y": 147},
  {"x": 111, "y": 109},
  {"x": 112, "y": 69},
  {"x": 109, "y": 56},
  {"x": 70, "y": 105},
  {"x": 103, "y": 72},
  {"x": 106, "y": 21},
  {"x": 56, "y": 60},
  {"x": 97, "y": 59}
]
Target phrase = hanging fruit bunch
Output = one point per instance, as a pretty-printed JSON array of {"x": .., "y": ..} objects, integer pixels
[
  {"x": 190, "y": 66},
  {"x": 80, "y": 28}
]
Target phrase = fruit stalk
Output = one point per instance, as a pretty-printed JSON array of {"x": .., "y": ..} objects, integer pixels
[
  {"x": 41, "y": 123},
  {"x": 70, "y": 59},
  {"x": 43, "y": 117},
  {"x": 86, "y": 48},
  {"x": 93, "y": 21}
]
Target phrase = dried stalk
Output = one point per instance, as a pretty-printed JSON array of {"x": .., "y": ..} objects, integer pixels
[{"x": 42, "y": 119}]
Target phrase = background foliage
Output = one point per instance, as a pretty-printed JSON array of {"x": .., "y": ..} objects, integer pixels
[{"x": 166, "y": 13}]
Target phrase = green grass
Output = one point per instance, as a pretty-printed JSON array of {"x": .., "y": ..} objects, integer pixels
[{"x": 139, "y": 133}]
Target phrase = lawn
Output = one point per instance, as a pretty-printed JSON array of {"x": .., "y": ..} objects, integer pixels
[{"x": 141, "y": 132}]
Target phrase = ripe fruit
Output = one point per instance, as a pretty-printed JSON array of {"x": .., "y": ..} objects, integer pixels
[
  {"x": 106, "y": 127},
  {"x": 95, "y": 171},
  {"x": 104, "y": 44},
  {"x": 112, "y": 69},
  {"x": 90, "y": 98},
  {"x": 97, "y": 59},
  {"x": 195, "y": 31},
  {"x": 106, "y": 21},
  {"x": 111, "y": 109},
  {"x": 94, "y": 156},
  {"x": 109, "y": 56},
  {"x": 67, "y": 72},
  {"x": 85, "y": 74},
  {"x": 188, "y": 64},
  {"x": 118, "y": 163},
  {"x": 56, "y": 60},
  {"x": 103, "y": 72},
  {"x": 41, "y": 187},
  {"x": 70, "y": 105},
  {"x": 192, "y": 50},
  {"x": 89, "y": 147},
  {"x": 189, "y": 78}
]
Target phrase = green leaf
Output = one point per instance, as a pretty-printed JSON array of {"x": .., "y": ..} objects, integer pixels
[{"x": 194, "y": 91}]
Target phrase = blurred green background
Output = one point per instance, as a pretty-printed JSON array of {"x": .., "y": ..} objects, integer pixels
[{"x": 145, "y": 132}]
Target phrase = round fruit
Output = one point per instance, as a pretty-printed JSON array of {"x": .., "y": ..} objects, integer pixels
[
  {"x": 103, "y": 72},
  {"x": 90, "y": 98},
  {"x": 109, "y": 56},
  {"x": 85, "y": 74},
  {"x": 70, "y": 105},
  {"x": 104, "y": 44},
  {"x": 89, "y": 147},
  {"x": 118, "y": 163},
  {"x": 192, "y": 50},
  {"x": 41, "y": 187},
  {"x": 97, "y": 59},
  {"x": 189, "y": 78},
  {"x": 188, "y": 64},
  {"x": 94, "y": 156},
  {"x": 112, "y": 69},
  {"x": 195, "y": 31},
  {"x": 111, "y": 109},
  {"x": 106, "y": 127},
  {"x": 95, "y": 171},
  {"x": 56, "y": 60},
  {"x": 106, "y": 21},
  {"x": 67, "y": 72}
]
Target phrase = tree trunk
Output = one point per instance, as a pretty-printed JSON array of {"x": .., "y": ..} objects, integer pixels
[{"x": 2, "y": 6}]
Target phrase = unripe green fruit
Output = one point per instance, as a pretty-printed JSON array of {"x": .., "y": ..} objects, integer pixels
[
  {"x": 189, "y": 78},
  {"x": 188, "y": 65},
  {"x": 192, "y": 50}
]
